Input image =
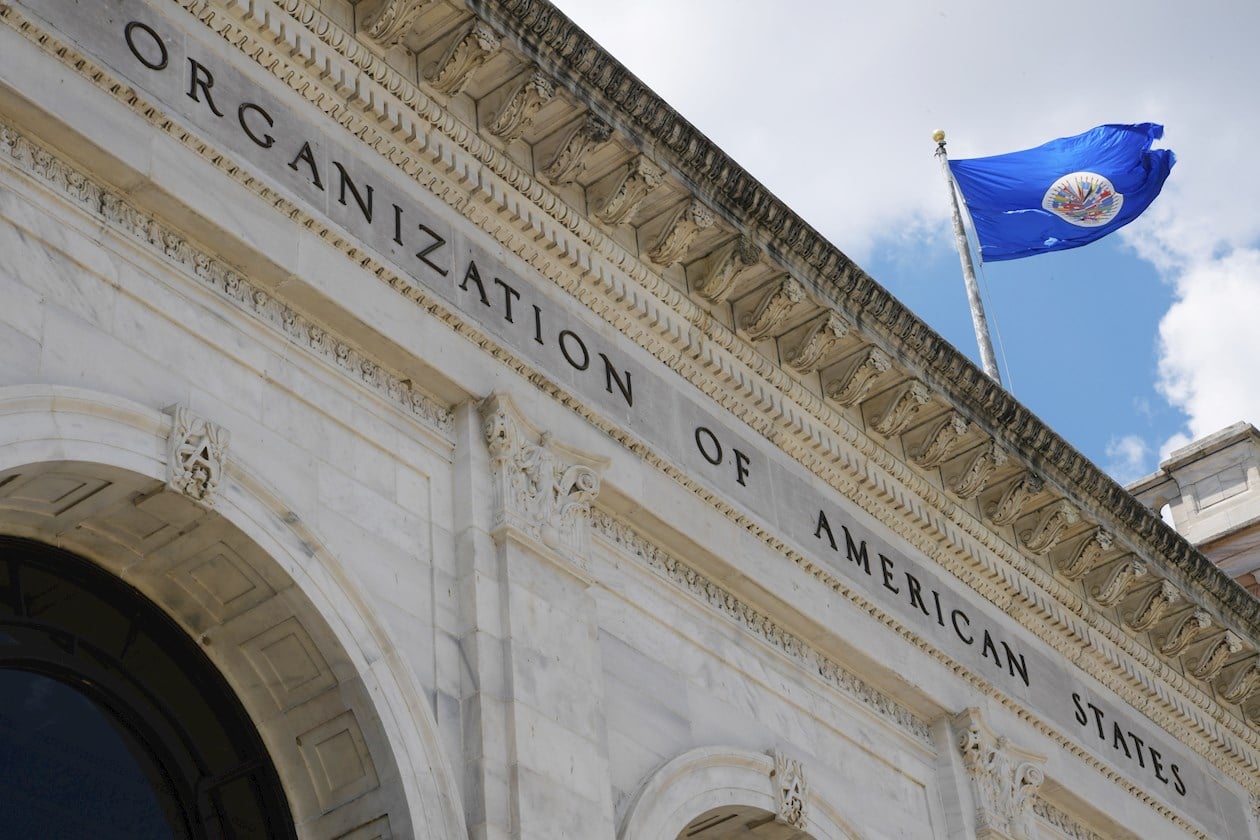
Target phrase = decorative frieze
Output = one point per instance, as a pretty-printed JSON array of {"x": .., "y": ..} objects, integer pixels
[
  {"x": 570, "y": 159},
  {"x": 520, "y": 105},
  {"x": 901, "y": 408},
  {"x": 791, "y": 791},
  {"x": 856, "y": 378},
  {"x": 1004, "y": 780},
  {"x": 819, "y": 338},
  {"x": 724, "y": 266},
  {"x": 626, "y": 191},
  {"x": 1191, "y": 626},
  {"x": 977, "y": 471},
  {"x": 1046, "y": 533},
  {"x": 196, "y": 456},
  {"x": 679, "y": 232},
  {"x": 1117, "y": 584},
  {"x": 1154, "y": 606},
  {"x": 390, "y": 20},
  {"x": 541, "y": 487},
  {"x": 773, "y": 309},
  {"x": 1214, "y": 655},
  {"x": 940, "y": 441},
  {"x": 1019, "y": 492},
  {"x": 472, "y": 47},
  {"x": 1088, "y": 555}
]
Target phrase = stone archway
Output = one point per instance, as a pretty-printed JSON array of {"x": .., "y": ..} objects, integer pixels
[
  {"x": 352, "y": 739},
  {"x": 725, "y": 793}
]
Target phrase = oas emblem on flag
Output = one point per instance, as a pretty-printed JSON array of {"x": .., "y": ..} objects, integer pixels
[{"x": 1085, "y": 199}]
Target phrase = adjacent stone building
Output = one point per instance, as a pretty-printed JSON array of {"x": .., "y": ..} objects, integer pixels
[{"x": 410, "y": 427}]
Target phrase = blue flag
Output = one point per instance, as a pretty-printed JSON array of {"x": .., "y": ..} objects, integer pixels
[{"x": 1064, "y": 194}]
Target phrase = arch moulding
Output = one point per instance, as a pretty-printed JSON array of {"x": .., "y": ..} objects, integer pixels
[
  {"x": 713, "y": 777},
  {"x": 353, "y": 739}
]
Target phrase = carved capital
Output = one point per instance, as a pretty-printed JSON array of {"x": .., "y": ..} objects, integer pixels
[
  {"x": 390, "y": 20},
  {"x": 820, "y": 338},
  {"x": 724, "y": 266},
  {"x": 1004, "y": 780},
  {"x": 638, "y": 179},
  {"x": 940, "y": 441},
  {"x": 901, "y": 408},
  {"x": 978, "y": 470},
  {"x": 196, "y": 456},
  {"x": 1117, "y": 584},
  {"x": 679, "y": 232},
  {"x": 1214, "y": 655},
  {"x": 541, "y": 487},
  {"x": 791, "y": 791},
  {"x": 1045, "y": 534},
  {"x": 1241, "y": 680},
  {"x": 1087, "y": 555},
  {"x": 855, "y": 381},
  {"x": 570, "y": 160},
  {"x": 472, "y": 47},
  {"x": 1155, "y": 606},
  {"x": 1008, "y": 508},
  {"x": 773, "y": 309},
  {"x": 1186, "y": 631},
  {"x": 528, "y": 94}
]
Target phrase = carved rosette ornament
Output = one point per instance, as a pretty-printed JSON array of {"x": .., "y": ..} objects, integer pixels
[
  {"x": 1186, "y": 631},
  {"x": 725, "y": 265},
  {"x": 1155, "y": 606},
  {"x": 976, "y": 474},
  {"x": 467, "y": 52},
  {"x": 773, "y": 309},
  {"x": 1088, "y": 555},
  {"x": 855, "y": 382},
  {"x": 390, "y": 20},
  {"x": 901, "y": 408},
  {"x": 1008, "y": 508},
  {"x": 541, "y": 488},
  {"x": 820, "y": 339},
  {"x": 1046, "y": 533},
  {"x": 791, "y": 791},
  {"x": 196, "y": 455},
  {"x": 531, "y": 92},
  {"x": 639, "y": 178},
  {"x": 1004, "y": 780},
  {"x": 570, "y": 159},
  {"x": 940, "y": 441},
  {"x": 1214, "y": 656}
]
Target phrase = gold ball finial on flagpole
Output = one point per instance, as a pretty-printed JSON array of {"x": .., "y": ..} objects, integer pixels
[{"x": 939, "y": 135}]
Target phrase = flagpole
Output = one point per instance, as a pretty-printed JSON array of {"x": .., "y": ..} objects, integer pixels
[{"x": 981, "y": 324}]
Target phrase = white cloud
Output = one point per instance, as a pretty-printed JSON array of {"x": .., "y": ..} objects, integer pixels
[{"x": 1127, "y": 458}]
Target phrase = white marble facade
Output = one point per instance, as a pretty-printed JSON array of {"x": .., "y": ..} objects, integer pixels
[{"x": 519, "y": 493}]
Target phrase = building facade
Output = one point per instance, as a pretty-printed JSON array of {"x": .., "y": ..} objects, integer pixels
[{"x": 411, "y": 427}]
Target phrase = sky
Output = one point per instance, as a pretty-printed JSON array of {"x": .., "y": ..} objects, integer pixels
[{"x": 1130, "y": 347}]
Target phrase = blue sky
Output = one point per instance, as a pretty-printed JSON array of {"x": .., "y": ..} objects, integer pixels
[{"x": 1129, "y": 347}]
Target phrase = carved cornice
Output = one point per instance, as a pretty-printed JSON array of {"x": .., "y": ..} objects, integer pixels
[
  {"x": 1208, "y": 666},
  {"x": 1154, "y": 606},
  {"x": 819, "y": 339},
  {"x": 773, "y": 309},
  {"x": 725, "y": 265},
  {"x": 636, "y": 180},
  {"x": 976, "y": 473},
  {"x": 940, "y": 441},
  {"x": 541, "y": 488},
  {"x": 472, "y": 47},
  {"x": 1087, "y": 555},
  {"x": 1004, "y": 780},
  {"x": 1194, "y": 624},
  {"x": 570, "y": 159},
  {"x": 901, "y": 409},
  {"x": 1008, "y": 508},
  {"x": 1045, "y": 534},
  {"x": 679, "y": 232},
  {"x": 857, "y": 377},
  {"x": 390, "y": 20},
  {"x": 527, "y": 96},
  {"x": 1117, "y": 583}
]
